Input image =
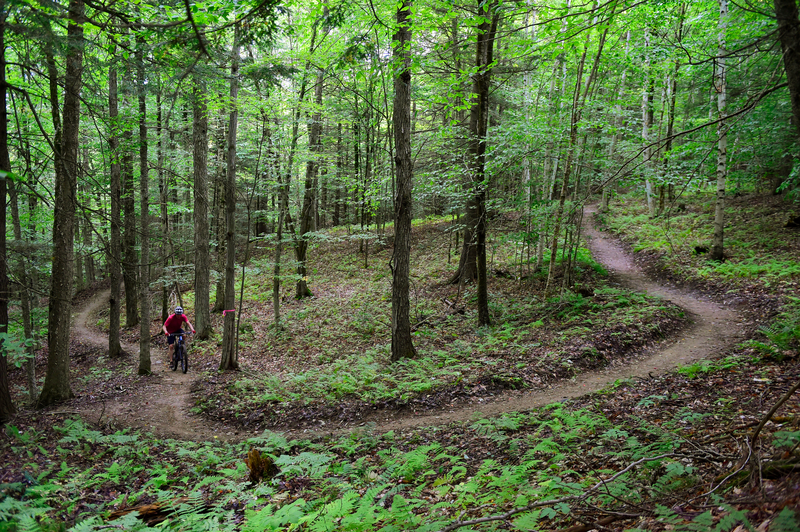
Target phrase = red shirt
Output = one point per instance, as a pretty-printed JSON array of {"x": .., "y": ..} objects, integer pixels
[{"x": 175, "y": 322}]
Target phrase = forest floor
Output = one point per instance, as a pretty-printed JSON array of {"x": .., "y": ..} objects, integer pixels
[
  {"x": 471, "y": 448},
  {"x": 163, "y": 404}
]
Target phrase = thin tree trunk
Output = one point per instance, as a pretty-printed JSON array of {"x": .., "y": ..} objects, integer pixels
[
  {"x": 129, "y": 259},
  {"x": 717, "y": 249},
  {"x": 23, "y": 266},
  {"x": 166, "y": 242},
  {"x": 144, "y": 206},
  {"x": 276, "y": 277},
  {"x": 617, "y": 123},
  {"x": 7, "y": 408},
  {"x": 306, "y": 215},
  {"x": 647, "y": 123},
  {"x": 229, "y": 355},
  {"x": 575, "y": 119},
  {"x": 56, "y": 385},
  {"x": 115, "y": 255},
  {"x": 218, "y": 208},
  {"x": 202, "y": 259}
]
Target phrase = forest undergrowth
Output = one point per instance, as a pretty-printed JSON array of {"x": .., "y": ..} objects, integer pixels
[
  {"x": 681, "y": 451},
  {"x": 761, "y": 246}
]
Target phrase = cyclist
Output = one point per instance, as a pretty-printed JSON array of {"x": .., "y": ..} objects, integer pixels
[{"x": 173, "y": 325}]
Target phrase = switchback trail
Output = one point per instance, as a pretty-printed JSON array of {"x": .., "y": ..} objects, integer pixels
[
  {"x": 160, "y": 403},
  {"x": 163, "y": 406}
]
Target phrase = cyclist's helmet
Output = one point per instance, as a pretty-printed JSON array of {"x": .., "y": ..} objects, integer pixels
[{"x": 179, "y": 310}]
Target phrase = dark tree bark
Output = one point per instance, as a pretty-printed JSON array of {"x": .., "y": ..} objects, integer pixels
[
  {"x": 115, "y": 255},
  {"x": 166, "y": 242},
  {"x": 229, "y": 359},
  {"x": 25, "y": 280},
  {"x": 6, "y": 406},
  {"x": 309, "y": 191},
  {"x": 283, "y": 193},
  {"x": 402, "y": 345},
  {"x": 129, "y": 258},
  {"x": 472, "y": 264},
  {"x": 144, "y": 206},
  {"x": 87, "y": 243},
  {"x": 577, "y": 109},
  {"x": 789, "y": 34},
  {"x": 338, "y": 179},
  {"x": 56, "y": 385},
  {"x": 202, "y": 259},
  {"x": 218, "y": 209},
  {"x": 478, "y": 123}
]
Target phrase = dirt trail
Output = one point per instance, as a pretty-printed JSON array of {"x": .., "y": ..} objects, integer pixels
[
  {"x": 714, "y": 329},
  {"x": 160, "y": 404}
]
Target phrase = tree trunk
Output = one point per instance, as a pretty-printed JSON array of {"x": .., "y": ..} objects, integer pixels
[
  {"x": 617, "y": 124},
  {"x": 7, "y": 408},
  {"x": 577, "y": 105},
  {"x": 402, "y": 345},
  {"x": 23, "y": 266},
  {"x": 337, "y": 186},
  {"x": 309, "y": 192},
  {"x": 276, "y": 277},
  {"x": 56, "y": 385},
  {"x": 478, "y": 123},
  {"x": 115, "y": 255},
  {"x": 229, "y": 355},
  {"x": 202, "y": 259},
  {"x": 717, "y": 249},
  {"x": 144, "y": 206},
  {"x": 789, "y": 32},
  {"x": 218, "y": 208},
  {"x": 647, "y": 124},
  {"x": 166, "y": 242},
  {"x": 129, "y": 259}
]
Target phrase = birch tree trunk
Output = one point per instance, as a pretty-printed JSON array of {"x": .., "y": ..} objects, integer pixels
[
  {"x": 647, "y": 122},
  {"x": 717, "y": 249},
  {"x": 618, "y": 120}
]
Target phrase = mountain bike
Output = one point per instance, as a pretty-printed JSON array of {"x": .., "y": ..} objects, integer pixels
[{"x": 179, "y": 354}]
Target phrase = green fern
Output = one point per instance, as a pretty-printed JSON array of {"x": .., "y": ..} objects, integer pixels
[
  {"x": 786, "y": 521},
  {"x": 267, "y": 520},
  {"x": 312, "y": 465}
]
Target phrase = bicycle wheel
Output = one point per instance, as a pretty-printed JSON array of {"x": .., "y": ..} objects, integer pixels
[{"x": 184, "y": 361}]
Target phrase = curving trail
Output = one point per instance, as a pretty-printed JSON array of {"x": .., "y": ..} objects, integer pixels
[
  {"x": 159, "y": 403},
  {"x": 714, "y": 329}
]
